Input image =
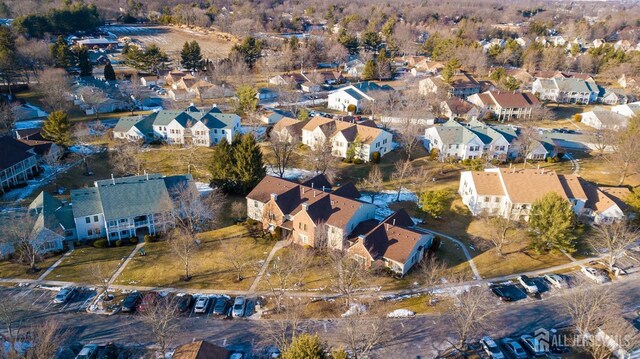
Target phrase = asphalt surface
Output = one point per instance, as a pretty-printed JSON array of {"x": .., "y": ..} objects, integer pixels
[{"x": 422, "y": 336}]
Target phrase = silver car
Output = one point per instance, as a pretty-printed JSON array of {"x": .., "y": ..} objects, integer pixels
[
  {"x": 64, "y": 295},
  {"x": 238, "y": 306}
]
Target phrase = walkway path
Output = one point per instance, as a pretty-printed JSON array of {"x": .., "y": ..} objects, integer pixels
[
  {"x": 474, "y": 269},
  {"x": 574, "y": 164},
  {"x": 126, "y": 261},
  {"x": 279, "y": 244},
  {"x": 57, "y": 263}
]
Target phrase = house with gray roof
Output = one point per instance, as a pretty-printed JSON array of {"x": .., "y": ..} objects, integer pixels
[
  {"x": 565, "y": 90},
  {"x": 126, "y": 207},
  {"x": 355, "y": 94},
  {"x": 477, "y": 139},
  {"x": 600, "y": 118},
  {"x": 191, "y": 126}
]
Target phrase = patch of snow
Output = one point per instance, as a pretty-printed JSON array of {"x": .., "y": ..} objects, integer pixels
[
  {"x": 291, "y": 173},
  {"x": 258, "y": 131},
  {"x": 85, "y": 149},
  {"x": 203, "y": 187},
  {"x": 18, "y": 194},
  {"x": 382, "y": 200},
  {"x": 401, "y": 313},
  {"x": 354, "y": 309}
]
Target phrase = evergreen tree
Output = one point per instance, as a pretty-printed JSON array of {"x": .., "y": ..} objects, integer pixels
[
  {"x": 57, "y": 128},
  {"x": 435, "y": 203},
  {"x": 247, "y": 99},
  {"x": 249, "y": 50},
  {"x": 349, "y": 42},
  {"x": 305, "y": 346},
  {"x": 109, "y": 73},
  {"x": 450, "y": 70},
  {"x": 191, "y": 56},
  {"x": 84, "y": 63},
  {"x": 249, "y": 165},
  {"x": 62, "y": 55},
  {"x": 371, "y": 41},
  {"x": 551, "y": 224},
  {"x": 369, "y": 72},
  {"x": 222, "y": 167}
]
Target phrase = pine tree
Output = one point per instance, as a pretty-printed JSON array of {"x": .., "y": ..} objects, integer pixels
[
  {"x": 84, "y": 63},
  {"x": 551, "y": 224},
  {"x": 191, "y": 56},
  {"x": 449, "y": 70},
  {"x": 109, "y": 73},
  {"x": 223, "y": 166},
  {"x": 369, "y": 72},
  {"x": 249, "y": 165},
  {"x": 305, "y": 346},
  {"x": 61, "y": 54},
  {"x": 57, "y": 128},
  {"x": 247, "y": 99}
]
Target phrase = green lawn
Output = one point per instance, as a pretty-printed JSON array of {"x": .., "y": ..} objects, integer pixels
[
  {"x": 210, "y": 268},
  {"x": 10, "y": 269},
  {"x": 79, "y": 265},
  {"x": 170, "y": 160}
]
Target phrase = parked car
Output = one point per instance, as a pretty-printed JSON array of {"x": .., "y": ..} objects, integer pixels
[
  {"x": 249, "y": 307},
  {"x": 597, "y": 275},
  {"x": 148, "y": 300},
  {"x": 64, "y": 295},
  {"x": 222, "y": 306},
  {"x": 185, "y": 302},
  {"x": 532, "y": 345},
  {"x": 130, "y": 303},
  {"x": 491, "y": 348},
  {"x": 515, "y": 350},
  {"x": 238, "y": 306},
  {"x": 556, "y": 280},
  {"x": 529, "y": 285},
  {"x": 202, "y": 304},
  {"x": 88, "y": 351}
]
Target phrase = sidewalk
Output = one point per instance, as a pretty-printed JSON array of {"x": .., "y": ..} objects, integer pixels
[
  {"x": 278, "y": 246},
  {"x": 126, "y": 261},
  {"x": 474, "y": 269}
]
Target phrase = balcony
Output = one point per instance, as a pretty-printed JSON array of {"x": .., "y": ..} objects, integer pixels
[{"x": 141, "y": 223}]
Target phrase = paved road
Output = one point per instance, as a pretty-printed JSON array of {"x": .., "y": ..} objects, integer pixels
[{"x": 421, "y": 336}]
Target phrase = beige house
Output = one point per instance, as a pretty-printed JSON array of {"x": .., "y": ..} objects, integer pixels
[
  {"x": 461, "y": 85},
  {"x": 506, "y": 105}
]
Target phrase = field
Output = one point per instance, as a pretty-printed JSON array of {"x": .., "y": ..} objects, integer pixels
[
  {"x": 214, "y": 44},
  {"x": 79, "y": 265}
]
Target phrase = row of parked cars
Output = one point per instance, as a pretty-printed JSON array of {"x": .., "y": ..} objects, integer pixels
[
  {"x": 522, "y": 348},
  {"x": 201, "y": 304},
  {"x": 159, "y": 90}
]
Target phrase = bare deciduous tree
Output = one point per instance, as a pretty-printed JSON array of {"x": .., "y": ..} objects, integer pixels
[
  {"x": 500, "y": 229},
  {"x": 285, "y": 273},
  {"x": 321, "y": 160},
  {"x": 467, "y": 314},
  {"x": 290, "y": 324},
  {"x": 101, "y": 277},
  {"x": 92, "y": 97},
  {"x": 527, "y": 142},
  {"x": 432, "y": 270},
  {"x": 348, "y": 275},
  {"x": 125, "y": 159},
  {"x": 613, "y": 239},
  {"x": 7, "y": 118},
  {"x": 82, "y": 136},
  {"x": 230, "y": 249},
  {"x": 54, "y": 89},
  {"x": 17, "y": 231},
  {"x": 402, "y": 170},
  {"x": 363, "y": 332},
  {"x": 161, "y": 318},
  {"x": 11, "y": 318},
  {"x": 45, "y": 339},
  {"x": 238, "y": 210},
  {"x": 184, "y": 246},
  {"x": 283, "y": 152},
  {"x": 374, "y": 182},
  {"x": 626, "y": 147}
]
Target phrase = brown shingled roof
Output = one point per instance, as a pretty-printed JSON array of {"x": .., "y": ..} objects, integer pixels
[
  {"x": 514, "y": 99},
  {"x": 529, "y": 185},
  {"x": 315, "y": 122},
  {"x": 395, "y": 242},
  {"x": 572, "y": 186},
  {"x": 200, "y": 350},
  {"x": 487, "y": 183}
]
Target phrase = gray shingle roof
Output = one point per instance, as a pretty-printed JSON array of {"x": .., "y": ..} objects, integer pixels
[
  {"x": 220, "y": 120},
  {"x": 86, "y": 202},
  {"x": 132, "y": 198}
]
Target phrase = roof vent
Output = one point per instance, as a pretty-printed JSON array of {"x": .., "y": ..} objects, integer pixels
[
  {"x": 361, "y": 237},
  {"x": 274, "y": 196},
  {"x": 305, "y": 206}
]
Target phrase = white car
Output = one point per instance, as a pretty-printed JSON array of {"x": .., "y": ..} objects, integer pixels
[
  {"x": 597, "y": 275},
  {"x": 556, "y": 280},
  {"x": 529, "y": 285},
  {"x": 202, "y": 304},
  {"x": 533, "y": 345},
  {"x": 491, "y": 348},
  {"x": 88, "y": 351}
]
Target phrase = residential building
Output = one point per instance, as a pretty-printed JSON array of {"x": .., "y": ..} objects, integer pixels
[
  {"x": 605, "y": 204},
  {"x": 462, "y": 85},
  {"x": 292, "y": 80},
  {"x": 152, "y": 80},
  {"x": 620, "y": 336},
  {"x": 354, "y": 68},
  {"x": 565, "y": 90},
  {"x": 181, "y": 95},
  {"x": 629, "y": 110},
  {"x": 364, "y": 138},
  {"x": 393, "y": 242},
  {"x": 455, "y": 107},
  {"x": 200, "y": 349},
  {"x": 266, "y": 94},
  {"x": 289, "y": 129},
  {"x": 510, "y": 192},
  {"x": 174, "y": 77},
  {"x": 506, "y": 105},
  {"x": 477, "y": 139},
  {"x": 600, "y": 118},
  {"x": 610, "y": 97},
  {"x": 354, "y": 95},
  {"x": 271, "y": 116},
  {"x": 192, "y": 126},
  {"x": 102, "y": 43},
  {"x": 629, "y": 82},
  {"x": 313, "y": 214},
  {"x": 119, "y": 208},
  {"x": 43, "y": 148},
  {"x": 18, "y": 163}
]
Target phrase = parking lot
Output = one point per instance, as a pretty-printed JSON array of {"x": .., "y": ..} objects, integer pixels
[{"x": 42, "y": 299}]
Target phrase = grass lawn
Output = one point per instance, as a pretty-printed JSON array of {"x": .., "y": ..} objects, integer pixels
[
  {"x": 170, "y": 160},
  {"x": 9, "y": 269},
  {"x": 418, "y": 304},
  {"x": 209, "y": 267},
  {"x": 78, "y": 266}
]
